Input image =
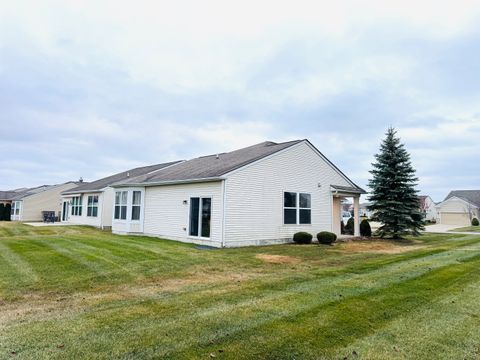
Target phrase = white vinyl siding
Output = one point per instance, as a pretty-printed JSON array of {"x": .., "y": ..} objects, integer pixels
[
  {"x": 167, "y": 211},
  {"x": 255, "y": 196},
  {"x": 97, "y": 221}
]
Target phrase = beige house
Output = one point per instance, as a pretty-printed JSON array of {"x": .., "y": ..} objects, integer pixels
[
  {"x": 459, "y": 207},
  {"x": 28, "y": 204}
]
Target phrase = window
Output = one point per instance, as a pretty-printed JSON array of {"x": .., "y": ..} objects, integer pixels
[
  {"x": 121, "y": 205},
  {"x": 92, "y": 206},
  {"x": 200, "y": 217},
  {"x": 77, "y": 206},
  {"x": 136, "y": 205},
  {"x": 16, "y": 205},
  {"x": 297, "y": 208}
]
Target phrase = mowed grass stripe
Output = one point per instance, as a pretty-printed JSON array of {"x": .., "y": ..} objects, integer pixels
[
  {"x": 340, "y": 323},
  {"x": 271, "y": 310}
]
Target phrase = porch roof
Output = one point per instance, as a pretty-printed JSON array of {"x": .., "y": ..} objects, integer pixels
[{"x": 347, "y": 189}]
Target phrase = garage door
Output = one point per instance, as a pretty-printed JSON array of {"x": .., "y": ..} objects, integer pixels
[{"x": 454, "y": 219}]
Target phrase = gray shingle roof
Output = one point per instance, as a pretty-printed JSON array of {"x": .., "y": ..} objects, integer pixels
[
  {"x": 100, "y": 184},
  {"x": 472, "y": 196},
  {"x": 24, "y": 192},
  {"x": 212, "y": 166}
]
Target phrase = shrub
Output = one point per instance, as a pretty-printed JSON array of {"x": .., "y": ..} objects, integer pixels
[
  {"x": 475, "y": 222},
  {"x": 2, "y": 212},
  {"x": 342, "y": 227},
  {"x": 365, "y": 229},
  {"x": 350, "y": 227},
  {"x": 325, "y": 237},
  {"x": 302, "y": 238},
  {"x": 8, "y": 210}
]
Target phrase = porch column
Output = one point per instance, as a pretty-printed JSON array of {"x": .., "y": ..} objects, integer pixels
[{"x": 356, "y": 212}]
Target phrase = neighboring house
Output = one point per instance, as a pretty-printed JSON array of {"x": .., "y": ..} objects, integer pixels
[
  {"x": 28, "y": 204},
  {"x": 459, "y": 207},
  {"x": 92, "y": 203},
  {"x": 261, "y": 194},
  {"x": 428, "y": 207},
  {"x": 364, "y": 211}
]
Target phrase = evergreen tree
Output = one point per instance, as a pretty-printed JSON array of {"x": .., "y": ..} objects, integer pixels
[
  {"x": 2, "y": 212},
  {"x": 393, "y": 199}
]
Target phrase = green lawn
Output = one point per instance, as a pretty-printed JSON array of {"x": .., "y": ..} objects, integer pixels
[
  {"x": 80, "y": 293},
  {"x": 468, "y": 229}
]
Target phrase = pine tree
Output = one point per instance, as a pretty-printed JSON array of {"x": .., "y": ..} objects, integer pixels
[
  {"x": 393, "y": 199},
  {"x": 2, "y": 212}
]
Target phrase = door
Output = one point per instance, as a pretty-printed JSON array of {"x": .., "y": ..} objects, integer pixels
[{"x": 65, "y": 210}]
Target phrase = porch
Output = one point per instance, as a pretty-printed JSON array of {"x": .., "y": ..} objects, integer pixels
[{"x": 339, "y": 194}]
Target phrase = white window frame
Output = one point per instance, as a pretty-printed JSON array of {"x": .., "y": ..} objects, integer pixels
[
  {"x": 16, "y": 206},
  {"x": 92, "y": 205},
  {"x": 297, "y": 207},
  {"x": 77, "y": 206},
  {"x": 120, "y": 205},
  {"x": 132, "y": 205},
  {"x": 199, "y": 236}
]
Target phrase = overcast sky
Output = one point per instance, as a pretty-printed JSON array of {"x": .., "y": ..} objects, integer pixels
[{"x": 92, "y": 88}]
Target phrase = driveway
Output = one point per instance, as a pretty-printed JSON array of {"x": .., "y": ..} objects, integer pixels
[{"x": 441, "y": 228}]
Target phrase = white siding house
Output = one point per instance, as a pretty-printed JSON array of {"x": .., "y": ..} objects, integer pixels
[
  {"x": 428, "y": 208},
  {"x": 92, "y": 203},
  {"x": 262, "y": 194}
]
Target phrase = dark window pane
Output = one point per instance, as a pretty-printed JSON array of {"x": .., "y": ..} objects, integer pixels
[
  {"x": 117, "y": 212},
  {"x": 305, "y": 201},
  {"x": 290, "y": 199},
  {"x": 137, "y": 198},
  {"x": 290, "y": 216},
  {"x": 305, "y": 216},
  {"x": 123, "y": 212},
  {"x": 89, "y": 211},
  {"x": 194, "y": 207},
  {"x": 206, "y": 217},
  {"x": 80, "y": 211},
  {"x": 135, "y": 212},
  {"x": 94, "y": 212}
]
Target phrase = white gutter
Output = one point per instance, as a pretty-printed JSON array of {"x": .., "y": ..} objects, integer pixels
[{"x": 170, "y": 182}]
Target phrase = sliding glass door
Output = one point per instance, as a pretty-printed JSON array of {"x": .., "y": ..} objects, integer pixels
[{"x": 200, "y": 217}]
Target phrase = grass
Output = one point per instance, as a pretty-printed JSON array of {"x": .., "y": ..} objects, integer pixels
[
  {"x": 475, "y": 229},
  {"x": 80, "y": 293}
]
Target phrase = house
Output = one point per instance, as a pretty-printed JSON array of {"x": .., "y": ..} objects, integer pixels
[
  {"x": 92, "y": 203},
  {"x": 364, "y": 211},
  {"x": 459, "y": 207},
  {"x": 261, "y": 194},
  {"x": 27, "y": 204},
  {"x": 428, "y": 208}
]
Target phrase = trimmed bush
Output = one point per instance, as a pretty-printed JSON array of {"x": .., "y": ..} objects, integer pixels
[
  {"x": 325, "y": 237},
  {"x": 350, "y": 227},
  {"x": 475, "y": 222},
  {"x": 302, "y": 238},
  {"x": 8, "y": 210},
  {"x": 365, "y": 229}
]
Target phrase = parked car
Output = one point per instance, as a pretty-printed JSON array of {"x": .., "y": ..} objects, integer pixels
[{"x": 345, "y": 216}]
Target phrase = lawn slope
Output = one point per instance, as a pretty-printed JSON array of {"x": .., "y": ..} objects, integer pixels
[{"x": 78, "y": 292}]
